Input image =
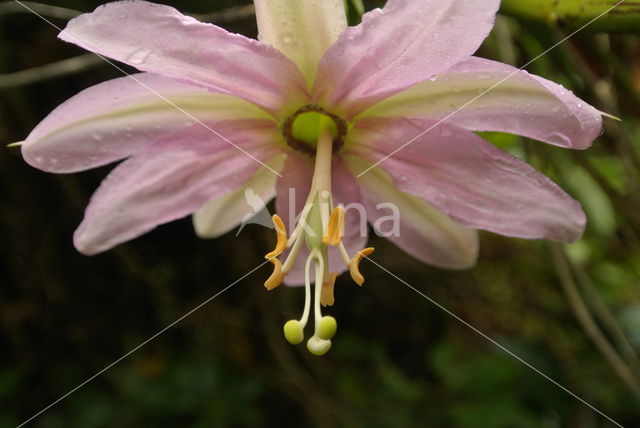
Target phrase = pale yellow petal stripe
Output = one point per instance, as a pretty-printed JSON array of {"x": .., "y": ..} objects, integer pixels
[{"x": 301, "y": 29}]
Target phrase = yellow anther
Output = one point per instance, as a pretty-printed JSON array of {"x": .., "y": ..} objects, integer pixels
[
  {"x": 354, "y": 266},
  {"x": 293, "y": 332},
  {"x": 276, "y": 277},
  {"x": 335, "y": 227},
  {"x": 281, "y": 233},
  {"x": 326, "y": 296},
  {"x": 327, "y": 328}
]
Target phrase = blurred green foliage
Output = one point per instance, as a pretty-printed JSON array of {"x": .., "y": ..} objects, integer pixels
[
  {"x": 398, "y": 360},
  {"x": 575, "y": 14}
]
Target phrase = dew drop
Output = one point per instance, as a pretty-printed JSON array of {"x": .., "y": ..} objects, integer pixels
[
  {"x": 287, "y": 39},
  {"x": 138, "y": 57},
  {"x": 558, "y": 138}
]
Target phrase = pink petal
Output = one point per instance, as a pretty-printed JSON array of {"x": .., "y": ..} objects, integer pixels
[
  {"x": 297, "y": 174},
  {"x": 346, "y": 192},
  {"x": 523, "y": 104},
  {"x": 227, "y": 211},
  {"x": 405, "y": 43},
  {"x": 161, "y": 40},
  {"x": 292, "y": 190},
  {"x": 293, "y": 187},
  {"x": 166, "y": 181},
  {"x": 110, "y": 121},
  {"x": 416, "y": 226},
  {"x": 476, "y": 184}
]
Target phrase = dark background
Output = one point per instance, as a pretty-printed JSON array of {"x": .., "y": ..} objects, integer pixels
[{"x": 398, "y": 360}]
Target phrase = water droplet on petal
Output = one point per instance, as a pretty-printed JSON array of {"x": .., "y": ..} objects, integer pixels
[
  {"x": 287, "y": 38},
  {"x": 559, "y": 139},
  {"x": 138, "y": 57}
]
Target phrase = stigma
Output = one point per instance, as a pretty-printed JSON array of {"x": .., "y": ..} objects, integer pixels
[{"x": 320, "y": 226}]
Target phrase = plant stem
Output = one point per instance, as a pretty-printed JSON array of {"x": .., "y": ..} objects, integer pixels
[
  {"x": 602, "y": 311},
  {"x": 50, "y": 71},
  {"x": 573, "y": 14},
  {"x": 589, "y": 325}
]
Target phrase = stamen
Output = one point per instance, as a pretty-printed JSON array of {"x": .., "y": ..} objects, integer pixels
[
  {"x": 301, "y": 223},
  {"x": 344, "y": 254},
  {"x": 324, "y": 199},
  {"x": 293, "y": 255},
  {"x": 354, "y": 266},
  {"x": 326, "y": 297},
  {"x": 281, "y": 233},
  {"x": 307, "y": 289},
  {"x": 317, "y": 344},
  {"x": 294, "y": 329},
  {"x": 276, "y": 277},
  {"x": 335, "y": 229},
  {"x": 319, "y": 281}
]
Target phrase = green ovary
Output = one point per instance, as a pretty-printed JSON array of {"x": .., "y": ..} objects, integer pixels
[{"x": 306, "y": 127}]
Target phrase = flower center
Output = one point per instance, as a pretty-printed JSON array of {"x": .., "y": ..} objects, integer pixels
[
  {"x": 320, "y": 226},
  {"x": 302, "y": 129}
]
